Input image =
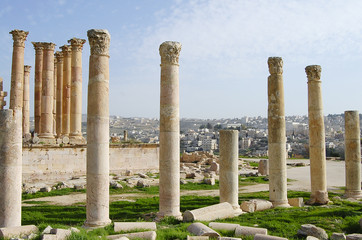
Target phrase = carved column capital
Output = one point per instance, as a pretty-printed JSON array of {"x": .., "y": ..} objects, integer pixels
[
  {"x": 313, "y": 72},
  {"x": 77, "y": 44},
  {"x": 170, "y": 52},
  {"x": 99, "y": 40},
  {"x": 59, "y": 56},
  {"x": 27, "y": 68},
  {"x": 66, "y": 50},
  {"x": 38, "y": 46},
  {"x": 275, "y": 65},
  {"x": 19, "y": 37},
  {"x": 48, "y": 46}
]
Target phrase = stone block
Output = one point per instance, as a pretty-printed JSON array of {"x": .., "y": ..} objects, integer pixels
[
  {"x": 263, "y": 168},
  {"x": 130, "y": 226},
  {"x": 255, "y": 205},
  {"x": 12, "y": 232},
  {"x": 48, "y": 236},
  {"x": 200, "y": 229},
  {"x": 267, "y": 237},
  {"x": 214, "y": 166},
  {"x": 338, "y": 236},
  {"x": 197, "y": 237},
  {"x": 354, "y": 236},
  {"x": 311, "y": 230},
  {"x": 223, "y": 226},
  {"x": 150, "y": 235},
  {"x": 62, "y": 234},
  {"x": 47, "y": 230},
  {"x": 210, "y": 213},
  {"x": 311, "y": 238},
  {"x": 296, "y": 202},
  {"x": 228, "y": 238},
  {"x": 249, "y": 231},
  {"x": 209, "y": 181}
]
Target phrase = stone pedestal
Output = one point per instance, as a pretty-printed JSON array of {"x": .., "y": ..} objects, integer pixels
[
  {"x": 169, "y": 160},
  {"x": 17, "y": 69},
  {"x": 352, "y": 154},
  {"x": 67, "y": 60},
  {"x": 276, "y": 135},
  {"x": 229, "y": 179},
  {"x": 26, "y": 105},
  {"x": 46, "y": 130},
  {"x": 317, "y": 151},
  {"x": 59, "y": 93},
  {"x": 98, "y": 130},
  {"x": 75, "y": 135},
  {"x": 38, "y": 46},
  {"x": 10, "y": 167}
]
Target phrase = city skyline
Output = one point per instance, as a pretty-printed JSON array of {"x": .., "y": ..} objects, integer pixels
[{"x": 225, "y": 47}]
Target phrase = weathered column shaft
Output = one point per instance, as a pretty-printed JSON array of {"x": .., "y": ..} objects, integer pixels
[
  {"x": 17, "y": 69},
  {"x": 98, "y": 130},
  {"x": 55, "y": 95},
  {"x": 46, "y": 129},
  {"x": 352, "y": 154},
  {"x": 76, "y": 91},
  {"x": 26, "y": 99},
  {"x": 59, "y": 93},
  {"x": 169, "y": 159},
  {"x": 10, "y": 167},
  {"x": 67, "y": 54},
  {"x": 276, "y": 134},
  {"x": 229, "y": 157},
  {"x": 317, "y": 151},
  {"x": 38, "y": 76}
]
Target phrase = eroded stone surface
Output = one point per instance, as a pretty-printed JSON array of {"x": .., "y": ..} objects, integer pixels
[{"x": 200, "y": 229}]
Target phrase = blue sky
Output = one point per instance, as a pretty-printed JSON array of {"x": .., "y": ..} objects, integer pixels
[{"x": 225, "y": 47}]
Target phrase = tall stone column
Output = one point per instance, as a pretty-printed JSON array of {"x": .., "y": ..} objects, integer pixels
[
  {"x": 38, "y": 46},
  {"x": 26, "y": 105},
  {"x": 352, "y": 144},
  {"x": 17, "y": 69},
  {"x": 276, "y": 134},
  {"x": 46, "y": 130},
  {"x": 169, "y": 159},
  {"x": 59, "y": 93},
  {"x": 317, "y": 151},
  {"x": 67, "y": 60},
  {"x": 76, "y": 92},
  {"x": 55, "y": 95},
  {"x": 98, "y": 130},
  {"x": 10, "y": 167},
  {"x": 229, "y": 177}
]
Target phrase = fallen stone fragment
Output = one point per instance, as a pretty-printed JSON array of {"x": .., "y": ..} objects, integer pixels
[
  {"x": 48, "y": 236},
  {"x": 45, "y": 189},
  {"x": 197, "y": 237},
  {"x": 311, "y": 238},
  {"x": 200, "y": 229},
  {"x": 228, "y": 238},
  {"x": 223, "y": 226},
  {"x": 62, "y": 234},
  {"x": 296, "y": 202},
  {"x": 255, "y": 205},
  {"x": 354, "y": 236},
  {"x": 267, "y": 237},
  {"x": 214, "y": 166},
  {"x": 249, "y": 231},
  {"x": 47, "y": 230},
  {"x": 209, "y": 181},
  {"x": 73, "y": 229},
  {"x": 130, "y": 226},
  {"x": 31, "y": 236},
  {"x": 210, "y": 213},
  {"x": 338, "y": 236},
  {"x": 311, "y": 230},
  {"x": 12, "y": 232},
  {"x": 150, "y": 235}
]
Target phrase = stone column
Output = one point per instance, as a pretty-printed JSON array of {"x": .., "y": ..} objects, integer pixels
[
  {"x": 229, "y": 177},
  {"x": 317, "y": 151},
  {"x": 67, "y": 54},
  {"x": 169, "y": 160},
  {"x": 125, "y": 135},
  {"x": 55, "y": 95},
  {"x": 26, "y": 105},
  {"x": 10, "y": 167},
  {"x": 352, "y": 154},
  {"x": 76, "y": 92},
  {"x": 46, "y": 130},
  {"x": 98, "y": 130},
  {"x": 38, "y": 46},
  {"x": 276, "y": 134},
  {"x": 2, "y": 94},
  {"x": 59, "y": 57},
  {"x": 17, "y": 69}
]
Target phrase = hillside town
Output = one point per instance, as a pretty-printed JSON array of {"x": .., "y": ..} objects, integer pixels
[{"x": 202, "y": 134}]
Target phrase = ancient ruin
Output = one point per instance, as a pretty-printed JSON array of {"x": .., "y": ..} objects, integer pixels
[
  {"x": 276, "y": 134},
  {"x": 26, "y": 103},
  {"x": 59, "y": 93},
  {"x": 38, "y": 46},
  {"x": 67, "y": 61}
]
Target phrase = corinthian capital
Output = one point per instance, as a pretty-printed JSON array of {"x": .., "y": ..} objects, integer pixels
[
  {"x": 99, "y": 40},
  {"x": 77, "y": 44},
  {"x": 170, "y": 52},
  {"x": 59, "y": 56},
  {"x": 38, "y": 46},
  {"x": 66, "y": 50},
  {"x": 27, "y": 68},
  {"x": 313, "y": 72},
  {"x": 48, "y": 46},
  {"x": 19, "y": 37},
  {"x": 275, "y": 65}
]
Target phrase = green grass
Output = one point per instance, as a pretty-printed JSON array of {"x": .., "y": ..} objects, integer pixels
[
  {"x": 60, "y": 192},
  {"x": 253, "y": 164}
]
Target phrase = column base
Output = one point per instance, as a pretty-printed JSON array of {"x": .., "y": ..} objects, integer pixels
[
  {"x": 283, "y": 204},
  {"x": 77, "y": 140},
  {"x": 160, "y": 216},
  {"x": 237, "y": 211},
  {"x": 96, "y": 224},
  {"x": 353, "y": 194},
  {"x": 46, "y": 140},
  {"x": 319, "y": 198}
]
